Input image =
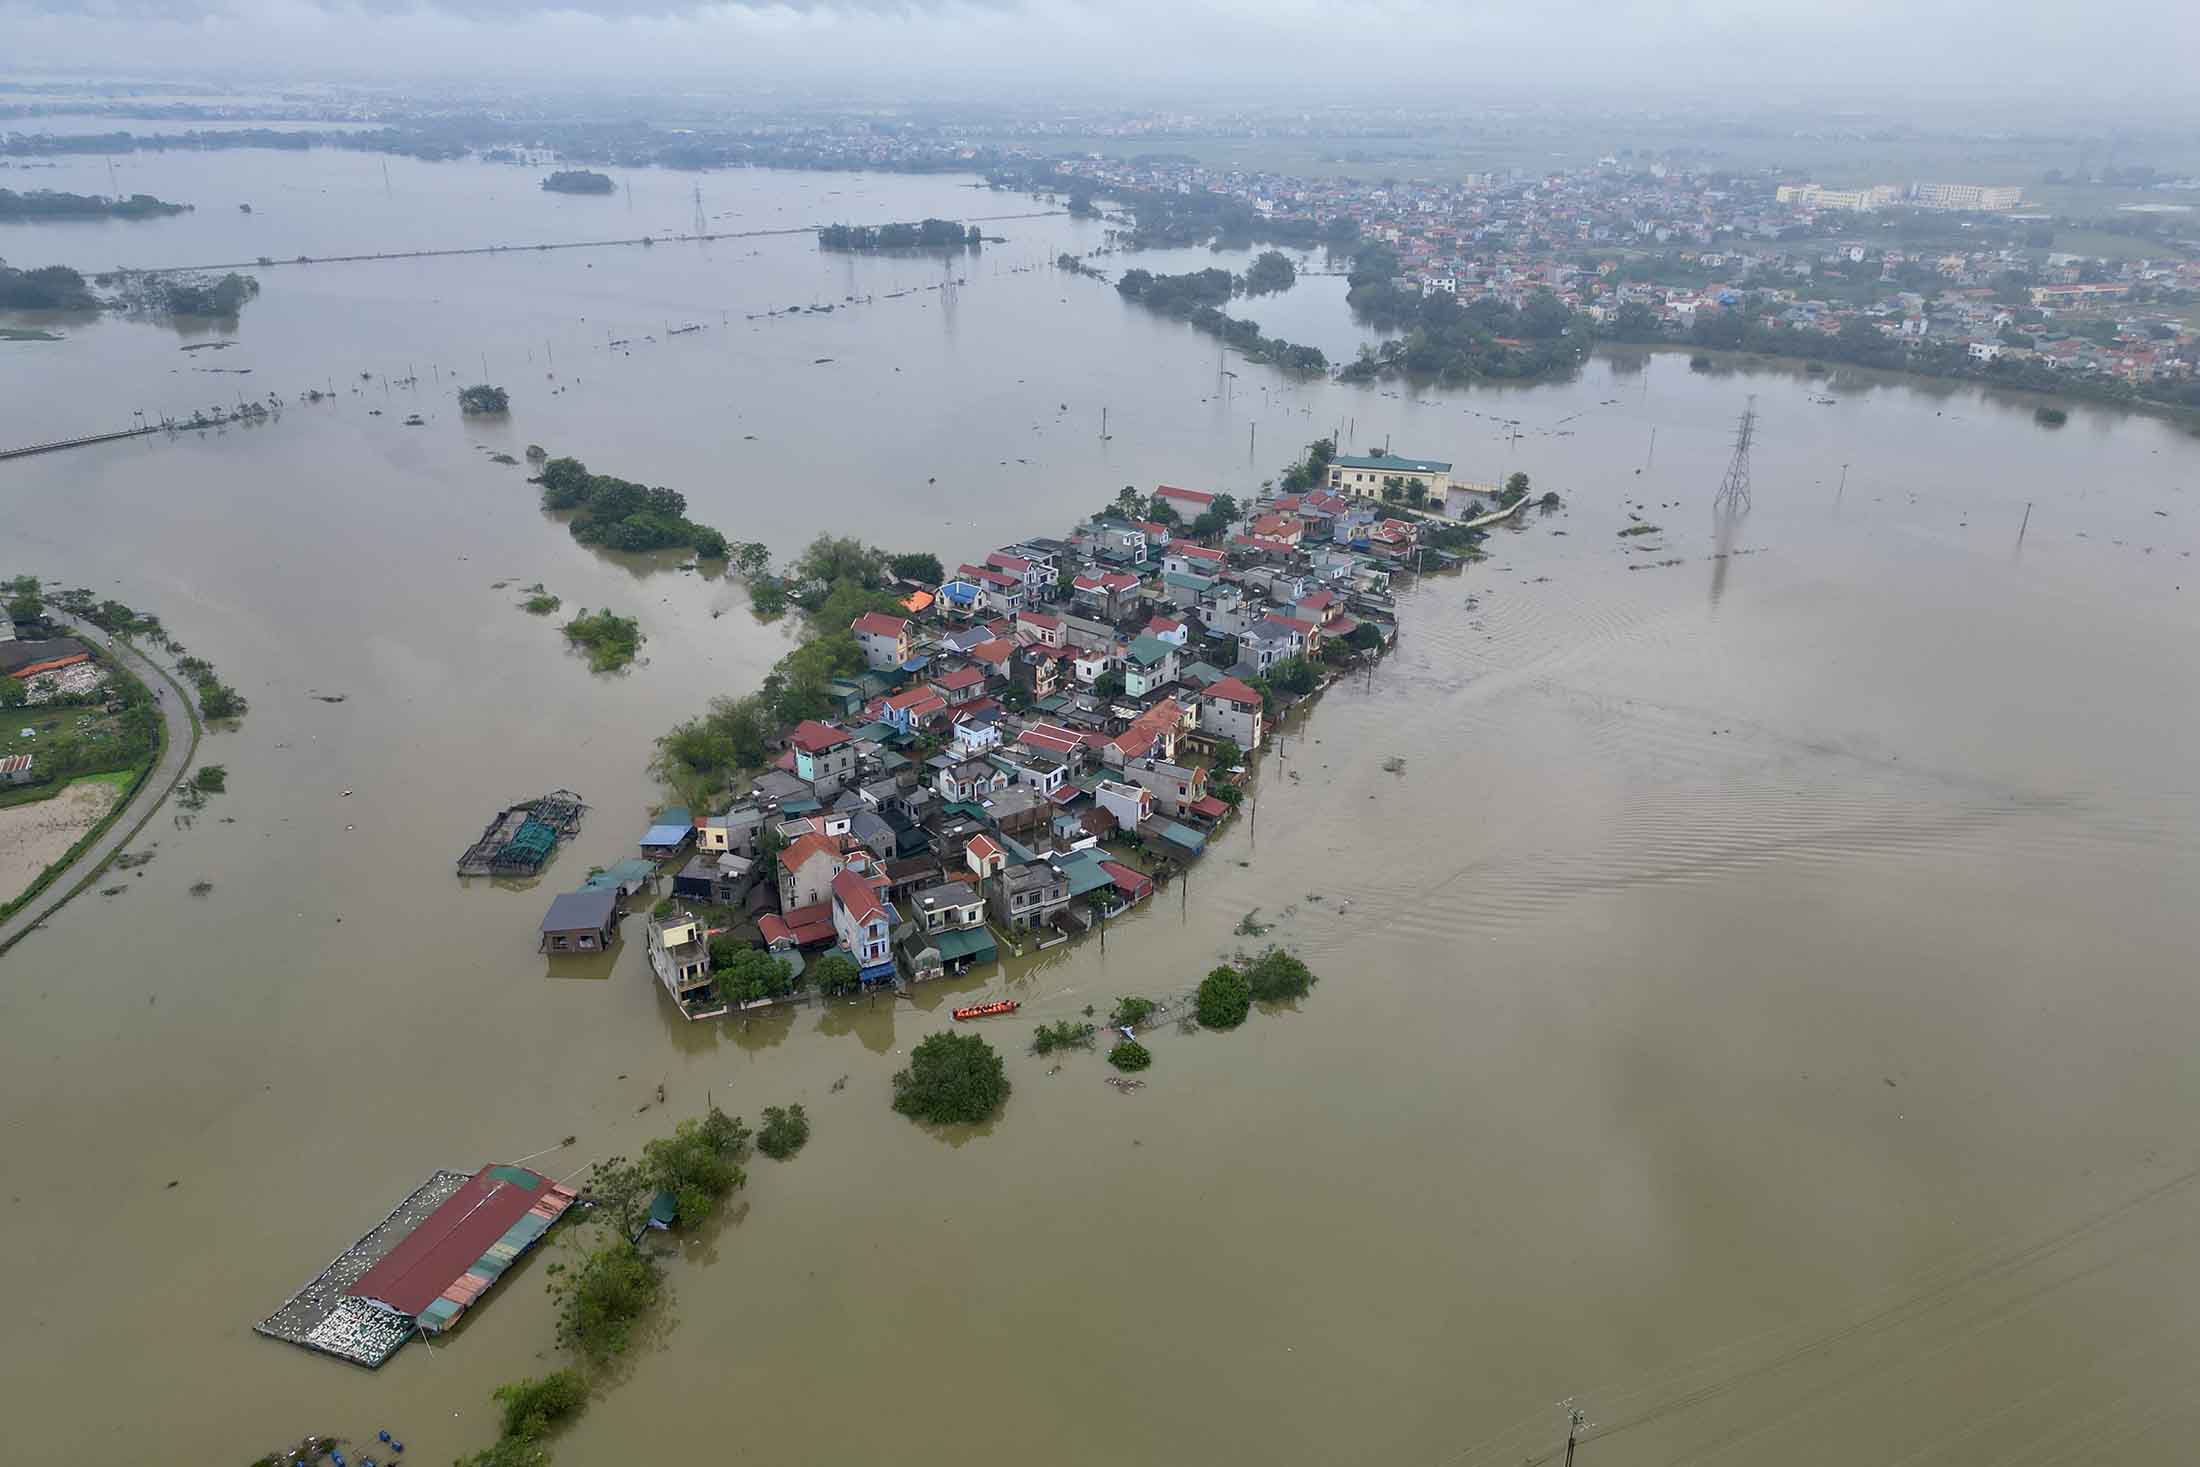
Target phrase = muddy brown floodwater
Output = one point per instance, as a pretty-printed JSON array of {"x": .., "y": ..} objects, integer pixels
[{"x": 1760, "y": 1008}]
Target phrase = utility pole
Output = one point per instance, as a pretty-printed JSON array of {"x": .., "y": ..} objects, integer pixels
[
  {"x": 2027, "y": 521},
  {"x": 1844, "y": 486},
  {"x": 1252, "y": 435},
  {"x": 1653, "y": 453},
  {"x": 1575, "y": 1417}
]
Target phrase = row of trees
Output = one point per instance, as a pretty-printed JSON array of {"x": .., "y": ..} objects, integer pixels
[
  {"x": 48, "y": 288},
  {"x": 928, "y": 234},
  {"x": 619, "y": 514},
  {"x": 52, "y": 204},
  {"x": 1198, "y": 296}
]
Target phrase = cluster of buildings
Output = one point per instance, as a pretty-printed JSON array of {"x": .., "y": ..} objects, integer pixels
[
  {"x": 1510, "y": 235},
  {"x": 1026, "y": 743},
  {"x": 1969, "y": 198}
]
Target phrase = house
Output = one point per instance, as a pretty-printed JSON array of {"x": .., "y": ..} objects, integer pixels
[
  {"x": 1039, "y": 627},
  {"x": 806, "y": 871},
  {"x": 1189, "y": 503},
  {"x": 950, "y": 919},
  {"x": 1261, "y": 647},
  {"x": 884, "y": 640},
  {"x": 585, "y": 921},
  {"x": 964, "y": 598},
  {"x": 1109, "y": 595},
  {"x": 1018, "y": 811},
  {"x": 1148, "y": 663},
  {"x": 1130, "y": 804},
  {"x": 16, "y": 769},
  {"x": 1183, "y": 558},
  {"x": 1152, "y": 734},
  {"x": 1232, "y": 709},
  {"x": 1003, "y": 592},
  {"x": 1037, "y": 576},
  {"x": 962, "y": 685},
  {"x": 974, "y": 736},
  {"x": 1277, "y": 531},
  {"x": 874, "y": 834},
  {"x": 864, "y": 923},
  {"x": 1026, "y": 897},
  {"x": 969, "y": 779},
  {"x": 914, "y": 710},
  {"x": 1037, "y": 770},
  {"x": 984, "y": 856},
  {"x": 1035, "y": 670},
  {"x": 1365, "y": 475},
  {"x": 1175, "y": 788},
  {"x": 1089, "y": 664},
  {"x": 995, "y": 655},
  {"x": 1170, "y": 629},
  {"x": 824, "y": 756},
  {"x": 668, "y": 834},
  {"x": 798, "y": 927},
  {"x": 733, "y": 831},
  {"x": 679, "y": 954},
  {"x": 1306, "y": 635}
]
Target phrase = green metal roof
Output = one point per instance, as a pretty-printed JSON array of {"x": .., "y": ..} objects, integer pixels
[
  {"x": 963, "y": 942},
  {"x": 1391, "y": 463}
]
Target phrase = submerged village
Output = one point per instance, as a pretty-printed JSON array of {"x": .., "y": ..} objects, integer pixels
[{"x": 1023, "y": 747}]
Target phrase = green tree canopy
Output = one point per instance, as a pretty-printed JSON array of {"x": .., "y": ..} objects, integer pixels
[
  {"x": 952, "y": 1079},
  {"x": 1224, "y": 999}
]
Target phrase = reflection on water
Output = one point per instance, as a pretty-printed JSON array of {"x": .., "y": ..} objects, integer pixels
[{"x": 1801, "y": 970}]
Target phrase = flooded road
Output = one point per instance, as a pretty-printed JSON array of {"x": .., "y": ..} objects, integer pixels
[{"x": 1759, "y": 1008}]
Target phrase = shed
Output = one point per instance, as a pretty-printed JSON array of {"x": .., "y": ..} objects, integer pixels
[
  {"x": 1182, "y": 836},
  {"x": 672, "y": 830},
  {"x": 584, "y": 921}
]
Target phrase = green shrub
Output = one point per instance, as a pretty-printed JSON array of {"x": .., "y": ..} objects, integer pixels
[
  {"x": 1277, "y": 974},
  {"x": 1130, "y": 1055},
  {"x": 784, "y": 1131},
  {"x": 1224, "y": 999},
  {"x": 535, "y": 1408},
  {"x": 1066, "y": 1035},
  {"x": 1130, "y": 1012}
]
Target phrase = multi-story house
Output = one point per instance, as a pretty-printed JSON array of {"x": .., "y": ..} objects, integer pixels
[
  {"x": 1026, "y": 897},
  {"x": 884, "y": 639},
  {"x": 864, "y": 924},
  {"x": 1233, "y": 710},
  {"x": 823, "y": 755}
]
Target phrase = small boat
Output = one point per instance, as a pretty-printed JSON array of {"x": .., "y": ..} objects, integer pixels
[{"x": 988, "y": 1010}]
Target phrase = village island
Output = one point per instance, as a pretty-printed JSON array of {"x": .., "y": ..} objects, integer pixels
[{"x": 995, "y": 760}]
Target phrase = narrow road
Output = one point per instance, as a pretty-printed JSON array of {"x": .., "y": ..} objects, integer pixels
[{"x": 177, "y": 752}]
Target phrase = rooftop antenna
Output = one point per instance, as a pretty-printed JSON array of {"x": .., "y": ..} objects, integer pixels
[{"x": 1733, "y": 496}]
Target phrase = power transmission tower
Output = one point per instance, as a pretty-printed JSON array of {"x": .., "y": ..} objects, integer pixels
[{"x": 1733, "y": 497}]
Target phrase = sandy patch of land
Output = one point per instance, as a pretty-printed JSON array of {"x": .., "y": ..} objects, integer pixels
[{"x": 33, "y": 837}]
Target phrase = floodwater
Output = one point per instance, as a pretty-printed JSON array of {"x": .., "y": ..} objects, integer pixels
[{"x": 1759, "y": 1008}]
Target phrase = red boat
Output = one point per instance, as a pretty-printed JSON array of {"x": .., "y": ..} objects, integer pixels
[{"x": 988, "y": 1010}]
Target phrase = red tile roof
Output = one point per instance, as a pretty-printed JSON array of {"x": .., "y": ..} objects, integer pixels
[
  {"x": 1185, "y": 496},
  {"x": 983, "y": 847},
  {"x": 1233, "y": 690},
  {"x": 856, "y": 897},
  {"x": 878, "y": 624},
  {"x": 812, "y": 737},
  {"x": 1194, "y": 552},
  {"x": 804, "y": 849},
  {"x": 450, "y": 1240},
  {"x": 960, "y": 678},
  {"x": 909, "y": 700},
  {"x": 1000, "y": 649},
  {"x": 803, "y": 926}
]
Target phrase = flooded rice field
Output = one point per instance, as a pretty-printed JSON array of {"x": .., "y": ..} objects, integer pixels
[{"x": 1758, "y": 1008}]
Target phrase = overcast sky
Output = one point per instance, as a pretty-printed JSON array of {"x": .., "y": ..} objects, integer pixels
[{"x": 2027, "y": 53}]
